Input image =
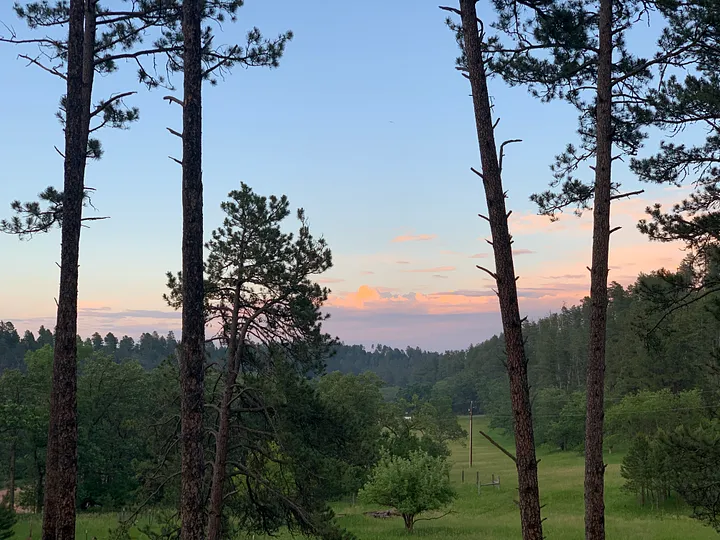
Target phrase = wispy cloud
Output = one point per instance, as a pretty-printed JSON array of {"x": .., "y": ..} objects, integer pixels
[
  {"x": 434, "y": 269},
  {"x": 402, "y": 262},
  {"x": 107, "y": 313},
  {"x": 414, "y": 238},
  {"x": 439, "y": 276},
  {"x": 522, "y": 251},
  {"x": 367, "y": 272},
  {"x": 330, "y": 280},
  {"x": 479, "y": 256}
]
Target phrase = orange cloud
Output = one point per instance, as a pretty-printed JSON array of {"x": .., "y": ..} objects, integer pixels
[
  {"x": 414, "y": 238},
  {"x": 461, "y": 301}
]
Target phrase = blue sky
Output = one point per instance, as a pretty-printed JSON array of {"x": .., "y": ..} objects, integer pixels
[{"x": 368, "y": 126}]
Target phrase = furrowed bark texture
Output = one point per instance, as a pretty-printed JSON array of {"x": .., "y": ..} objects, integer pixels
[
  {"x": 529, "y": 493},
  {"x": 594, "y": 466},
  {"x": 192, "y": 354},
  {"x": 61, "y": 479}
]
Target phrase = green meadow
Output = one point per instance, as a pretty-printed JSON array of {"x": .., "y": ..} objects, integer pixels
[{"x": 492, "y": 514}]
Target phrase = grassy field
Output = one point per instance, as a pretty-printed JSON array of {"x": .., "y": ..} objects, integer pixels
[{"x": 492, "y": 514}]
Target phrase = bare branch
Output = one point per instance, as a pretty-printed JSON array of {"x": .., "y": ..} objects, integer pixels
[
  {"x": 628, "y": 194},
  {"x": 173, "y": 99},
  {"x": 49, "y": 70},
  {"x": 502, "y": 151},
  {"x": 109, "y": 102},
  {"x": 478, "y": 173},
  {"x": 493, "y": 274},
  {"x": 177, "y": 134},
  {"x": 436, "y": 517},
  {"x": 451, "y": 10},
  {"x": 496, "y": 445}
]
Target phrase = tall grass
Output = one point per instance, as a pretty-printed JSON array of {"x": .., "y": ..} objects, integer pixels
[{"x": 492, "y": 514}]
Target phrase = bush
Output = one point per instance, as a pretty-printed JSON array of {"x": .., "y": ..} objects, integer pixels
[{"x": 412, "y": 485}]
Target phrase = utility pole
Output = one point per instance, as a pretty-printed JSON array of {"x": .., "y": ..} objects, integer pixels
[{"x": 471, "y": 432}]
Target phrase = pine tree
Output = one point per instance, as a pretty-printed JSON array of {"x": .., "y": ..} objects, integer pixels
[
  {"x": 259, "y": 290},
  {"x": 577, "y": 51},
  {"x": 8, "y": 519},
  {"x": 471, "y": 40}
]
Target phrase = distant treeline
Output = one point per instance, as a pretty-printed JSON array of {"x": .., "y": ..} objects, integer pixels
[{"x": 681, "y": 354}]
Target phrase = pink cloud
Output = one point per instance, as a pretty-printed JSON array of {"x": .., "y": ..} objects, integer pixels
[
  {"x": 522, "y": 251},
  {"x": 367, "y": 272},
  {"x": 402, "y": 262},
  {"x": 434, "y": 269},
  {"x": 367, "y": 298},
  {"x": 414, "y": 238},
  {"x": 479, "y": 256},
  {"x": 439, "y": 276}
]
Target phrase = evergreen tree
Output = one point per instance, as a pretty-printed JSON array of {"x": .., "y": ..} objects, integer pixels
[
  {"x": 472, "y": 43},
  {"x": 565, "y": 50},
  {"x": 259, "y": 290},
  {"x": 8, "y": 519}
]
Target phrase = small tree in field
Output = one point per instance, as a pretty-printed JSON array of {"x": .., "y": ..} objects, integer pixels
[{"x": 412, "y": 485}]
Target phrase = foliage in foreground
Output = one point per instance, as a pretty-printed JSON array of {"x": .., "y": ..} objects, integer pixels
[{"x": 412, "y": 485}]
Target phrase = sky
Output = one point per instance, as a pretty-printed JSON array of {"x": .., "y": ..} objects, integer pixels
[{"x": 367, "y": 126}]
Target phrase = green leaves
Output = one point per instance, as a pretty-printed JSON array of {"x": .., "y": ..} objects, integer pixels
[{"x": 412, "y": 485}]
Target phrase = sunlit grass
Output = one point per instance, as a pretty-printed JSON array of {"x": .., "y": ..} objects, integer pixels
[{"x": 492, "y": 514}]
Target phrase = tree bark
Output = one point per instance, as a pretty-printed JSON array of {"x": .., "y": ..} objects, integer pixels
[
  {"x": 61, "y": 476},
  {"x": 595, "y": 386},
  {"x": 526, "y": 463},
  {"x": 192, "y": 355}
]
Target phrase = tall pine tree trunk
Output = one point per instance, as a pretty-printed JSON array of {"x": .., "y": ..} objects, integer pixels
[
  {"x": 529, "y": 493},
  {"x": 61, "y": 477},
  {"x": 594, "y": 466},
  {"x": 192, "y": 354}
]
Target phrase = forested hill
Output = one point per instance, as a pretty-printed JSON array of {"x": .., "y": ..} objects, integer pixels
[{"x": 681, "y": 354}]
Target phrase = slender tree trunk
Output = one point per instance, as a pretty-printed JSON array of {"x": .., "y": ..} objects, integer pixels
[
  {"x": 594, "y": 466},
  {"x": 61, "y": 481},
  {"x": 221, "y": 454},
  {"x": 39, "y": 482},
  {"x": 529, "y": 493},
  {"x": 223, "y": 432},
  {"x": 192, "y": 355},
  {"x": 11, "y": 487}
]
